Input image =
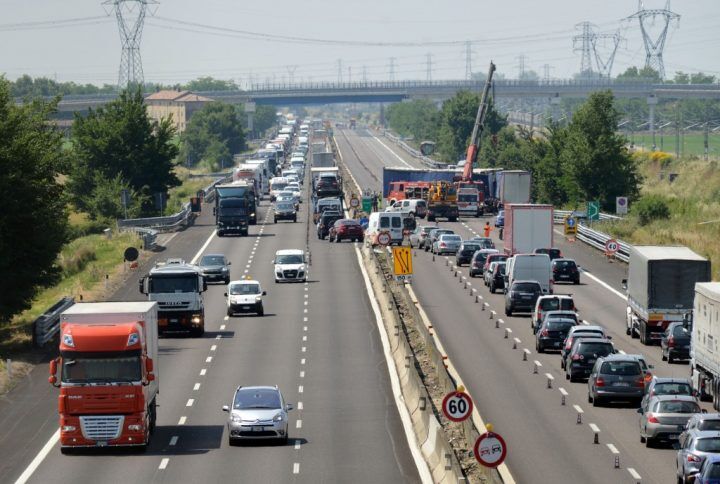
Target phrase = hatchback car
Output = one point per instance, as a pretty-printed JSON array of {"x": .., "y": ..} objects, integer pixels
[
  {"x": 346, "y": 229},
  {"x": 419, "y": 235},
  {"x": 327, "y": 219},
  {"x": 522, "y": 296},
  {"x": 257, "y": 412},
  {"x": 694, "y": 447},
  {"x": 488, "y": 273},
  {"x": 615, "y": 377},
  {"x": 577, "y": 332},
  {"x": 668, "y": 386},
  {"x": 245, "y": 296},
  {"x": 447, "y": 244},
  {"x": 646, "y": 368},
  {"x": 581, "y": 358},
  {"x": 552, "y": 333},
  {"x": 558, "y": 315},
  {"x": 466, "y": 251},
  {"x": 486, "y": 242},
  {"x": 709, "y": 472},
  {"x": 497, "y": 279},
  {"x": 477, "y": 264},
  {"x": 494, "y": 257},
  {"x": 552, "y": 252},
  {"x": 433, "y": 236},
  {"x": 284, "y": 211},
  {"x": 555, "y": 302},
  {"x": 565, "y": 270},
  {"x": 664, "y": 417},
  {"x": 675, "y": 343},
  {"x": 704, "y": 421},
  {"x": 215, "y": 267},
  {"x": 500, "y": 219}
]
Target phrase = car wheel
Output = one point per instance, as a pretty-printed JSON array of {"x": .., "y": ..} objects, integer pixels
[
  {"x": 662, "y": 356},
  {"x": 596, "y": 402},
  {"x": 492, "y": 288},
  {"x": 229, "y": 311},
  {"x": 590, "y": 398},
  {"x": 508, "y": 312},
  {"x": 649, "y": 442},
  {"x": 231, "y": 442},
  {"x": 567, "y": 376},
  {"x": 261, "y": 311},
  {"x": 294, "y": 219},
  {"x": 670, "y": 359},
  {"x": 274, "y": 220},
  {"x": 642, "y": 439},
  {"x": 539, "y": 348},
  {"x": 577, "y": 281}
]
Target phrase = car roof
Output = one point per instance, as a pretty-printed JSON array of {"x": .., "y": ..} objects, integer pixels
[
  {"x": 561, "y": 312},
  {"x": 684, "y": 398},
  {"x": 559, "y": 296},
  {"x": 245, "y": 281},
  {"x": 703, "y": 434},
  {"x": 669, "y": 379},
  {"x": 580, "y": 341},
  {"x": 588, "y": 328},
  {"x": 442, "y": 236},
  {"x": 213, "y": 255},
  {"x": 289, "y": 252},
  {"x": 619, "y": 357},
  {"x": 526, "y": 282},
  {"x": 258, "y": 387},
  {"x": 637, "y": 357}
]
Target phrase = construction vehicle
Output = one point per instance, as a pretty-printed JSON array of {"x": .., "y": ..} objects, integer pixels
[{"x": 442, "y": 201}]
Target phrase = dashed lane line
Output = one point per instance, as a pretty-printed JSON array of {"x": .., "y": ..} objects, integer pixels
[
  {"x": 190, "y": 402},
  {"x": 173, "y": 440},
  {"x": 202, "y": 372},
  {"x": 164, "y": 463},
  {"x": 182, "y": 420},
  {"x": 196, "y": 387}
]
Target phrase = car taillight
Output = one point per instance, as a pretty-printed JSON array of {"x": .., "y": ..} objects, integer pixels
[
  {"x": 544, "y": 332},
  {"x": 600, "y": 382},
  {"x": 568, "y": 345},
  {"x": 671, "y": 342},
  {"x": 652, "y": 418},
  {"x": 578, "y": 357},
  {"x": 442, "y": 244},
  {"x": 640, "y": 382},
  {"x": 693, "y": 458}
]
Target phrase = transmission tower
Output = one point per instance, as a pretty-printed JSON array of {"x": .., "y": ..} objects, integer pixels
[
  {"x": 654, "y": 45},
  {"x": 291, "y": 73},
  {"x": 130, "y": 15},
  {"x": 546, "y": 72},
  {"x": 428, "y": 68},
  {"x": 392, "y": 68},
  {"x": 350, "y": 74},
  {"x": 608, "y": 43},
  {"x": 364, "y": 74},
  {"x": 468, "y": 60},
  {"x": 339, "y": 72},
  {"x": 521, "y": 65},
  {"x": 583, "y": 43}
]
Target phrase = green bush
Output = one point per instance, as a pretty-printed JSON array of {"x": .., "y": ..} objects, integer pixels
[{"x": 650, "y": 208}]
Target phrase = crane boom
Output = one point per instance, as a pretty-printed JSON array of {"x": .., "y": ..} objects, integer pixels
[{"x": 474, "y": 147}]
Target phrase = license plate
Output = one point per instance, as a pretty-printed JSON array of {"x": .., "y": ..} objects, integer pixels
[
  {"x": 246, "y": 307},
  {"x": 621, "y": 384},
  {"x": 101, "y": 444},
  {"x": 556, "y": 344},
  {"x": 590, "y": 362},
  {"x": 526, "y": 297},
  {"x": 257, "y": 429},
  {"x": 673, "y": 436},
  {"x": 173, "y": 320}
]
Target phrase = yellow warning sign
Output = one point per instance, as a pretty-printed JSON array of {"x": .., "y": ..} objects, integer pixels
[{"x": 402, "y": 261}]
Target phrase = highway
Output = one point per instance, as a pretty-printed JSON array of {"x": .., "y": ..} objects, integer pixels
[
  {"x": 545, "y": 439},
  {"x": 318, "y": 341}
]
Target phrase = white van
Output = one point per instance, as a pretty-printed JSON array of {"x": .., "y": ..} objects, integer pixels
[
  {"x": 416, "y": 207},
  {"x": 391, "y": 222},
  {"x": 529, "y": 267},
  {"x": 277, "y": 184}
]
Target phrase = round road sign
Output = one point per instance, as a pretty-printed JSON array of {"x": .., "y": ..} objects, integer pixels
[
  {"x": 384, "y": 238},
  {"x": 571, "y": 222},
  {"x": 354, "y": 202},
  {"x": 611, "y": 246},
  {"x": 490, "y": 449},
  {"x": 131, "y": 254},
  {"x": 457, "y": 406}
]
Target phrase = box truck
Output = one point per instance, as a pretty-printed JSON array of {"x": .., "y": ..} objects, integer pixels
[
  {"x": 514, "y": 187},
  {"x": 704, "y": 360},
  {"x": 527, "y": 227}
]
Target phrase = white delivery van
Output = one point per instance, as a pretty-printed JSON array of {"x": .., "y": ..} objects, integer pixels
[
  {"x": 529, "y": 267},
  {"x": 391, "y": 222}
]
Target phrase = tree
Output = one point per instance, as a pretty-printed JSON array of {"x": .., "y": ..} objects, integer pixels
[
  {"x": 418, "y": 118},
  {"x": 217, "y": 122},
  {"x": 33, "y": 221},
  {"x": 210, "y": 84},
  {"x": 120, "y": 142},
  {"x": 646, "y": 74}
]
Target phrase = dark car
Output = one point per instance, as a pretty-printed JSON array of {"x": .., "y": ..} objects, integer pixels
[
  {"x": 327, "y": 219},
  {"x": 560, "y": 314},
  {"x": 477, "y": 264},
  {"x": 500, "y": 219},
  {"x": 616, "y": 377},
  {"x": 433, "y": 235},
  {"x": 485, "y": 242},
  {"x": 494, "y": 258},
  {"x": 214, "y": 267},
  {"x": 498, "y": 277},
  {"x": 580, "y": 360},
  {"x": 522, "y": 296},
  {"x": 466, "y": 251},
  {"x": 552, "y": 333},
  {"x": 675, "y": 343},
  {"x": 346, "y": 229},
  {"x": 565, "y": 270},
  {"x": 284, "y": 211},
  {"x": 552, "y": 252},
  {"x": 580, "y": 331}
]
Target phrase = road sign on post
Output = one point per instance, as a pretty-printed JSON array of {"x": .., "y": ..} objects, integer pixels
[
  {"x": 490, "y": 449},
  {"x": 402, "y": 263},
  {"x": 354, "y": 202},
  {"x": 593, "y": 210},
  {"x": 383, "y": 238},
  {"x": 457, "y": 406},
  {"x": 611, "y": 246},
  {"x": 366, "y": 204},
  {"x": 570, "y": 225},
  {"x": 621, "y": 205}
]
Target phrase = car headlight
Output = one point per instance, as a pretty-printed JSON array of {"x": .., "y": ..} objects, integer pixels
[
  {"x": 258, "y": 298},
  {"x": 224, "y": 269},
  {"x": 196, "y": 318},
  {"x": 279, "y": 274},
  {"x": 135, "y": 427},
  {"x": 278, "y": 418},
  {"x": 235, "y": 418}
]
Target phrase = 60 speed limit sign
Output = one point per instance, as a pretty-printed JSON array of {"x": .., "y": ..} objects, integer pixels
[{"x": 457, "y": 406}]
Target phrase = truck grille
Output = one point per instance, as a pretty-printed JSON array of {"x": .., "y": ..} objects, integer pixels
[
  {"x": 102, "y": 427},
  {"x": 174, "y": 305}
]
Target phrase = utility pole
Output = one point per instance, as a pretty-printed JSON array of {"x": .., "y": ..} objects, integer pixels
[
  {"x": 130, "y": 16},
  {"x": 339, "y": 71},
  {"x": 364, "y": 74},
  {"x": 654, "y": 45},
  {"x": 468, "y": 60},
  {"x": 546, "y": 72},
  {"x": 428, "y": 69},
  {"x": 521, "y": 65},
  {"x": 349, "y": 74},
  {"x": 583, "y": 43},
  {"x": 392, "y": 69}
]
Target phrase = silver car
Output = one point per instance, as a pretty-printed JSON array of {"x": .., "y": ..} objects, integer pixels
[
  {"x": 694, "y": 446},
  {"x": 616, "y": 377},
  {"x": 258, "y": 412},
  {"x": 664, "y": 417},
  {"x": 447, "y": 244}
]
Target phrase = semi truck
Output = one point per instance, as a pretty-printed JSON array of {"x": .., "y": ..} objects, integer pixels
[
  {"x": 177, "y": 288},
  {"x": 235, "y": 208},
  {"x": 514, "y": 186},
  {"x": 660, "y": 288},
  {"x": 108, "y": 377},
  {"x": 704, "y": 361},
  {"x": 252, "y": 174},
  {"x": 527, "y": 227}
]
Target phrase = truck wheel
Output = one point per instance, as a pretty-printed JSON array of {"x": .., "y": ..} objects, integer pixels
[
  {"x": 153, "y": 416},
  {"x": 643, "y": 335}
]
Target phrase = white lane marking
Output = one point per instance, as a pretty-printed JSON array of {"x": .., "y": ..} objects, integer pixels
[
  {"x": 305, "y": 311},
  {"x": 226, "y": 318},
  {"x": 304, "y": 328},
  {"x": 32, "y": 467},
  {"x": 173, "y": 440},
  {"x": 296, "y": 468},
  {"x": 302, "y": 374},
  {"x": 190, "y": 402},
  {"x": 578, "y": 409},
  {"x": 306, "y": 288},
  {"x": 182, "y": 420},
  {"x": 306, "y": 296},
  {"x": 222, "y": 327},
  {"x": 219, "y": 336},
  {"x": 586, "y": 323},
  {"x": 208, "y": 359},
  {"x": 391, "y": 151},
  {"x": 196, "y": 387},
  {"x": 302, "y": 362},
  {"x": 634, "y": 474},
  {"x": 304, "y": 338},
  {"x": 213, "y": 347},
  {"x": 202, "y": 249},
  {"x": 300, "y": 389},
  {"x": 298, "y": 424},
  {"x": 202, "y": 372},
  {"x": 303, "y": 349},
  {"x": 612, "y": 448},
  {"x": 563, "y": 392},
  {"x": 300, "y": 405},
  {"x": 164, "y": 463},
  {"x": 606, "y": 285},
  {"x": 594, "y": 428},
  {"x": 297, "y": 445},
  {"x": 306, "y": 303},
  {"x": 247, "y": 266}
]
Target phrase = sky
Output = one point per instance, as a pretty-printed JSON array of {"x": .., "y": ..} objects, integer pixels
[{"x": 76, "y": 40}]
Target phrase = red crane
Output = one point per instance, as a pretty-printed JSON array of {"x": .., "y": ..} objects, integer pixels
[{"x": 474, "y": 148}]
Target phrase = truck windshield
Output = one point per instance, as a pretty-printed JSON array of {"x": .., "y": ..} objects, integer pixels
[
  {"x": 101, "y": 369},
  {"x": 467, "y": 197},
  {"x": 232, "y": 206},
  {"x": 174, "y": 283}
]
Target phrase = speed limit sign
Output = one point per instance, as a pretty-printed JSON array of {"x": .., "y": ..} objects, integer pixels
[
  {"x": 354, "y": 202},
  {"x": 384, "y": 238},
  {"x": 611, "y": 246},
  {"x": 457, "y": 406}
]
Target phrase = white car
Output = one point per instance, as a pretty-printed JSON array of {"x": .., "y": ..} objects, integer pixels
[
  {"x": 245, "y": 296},
  {"x": 290, "y": 266}
]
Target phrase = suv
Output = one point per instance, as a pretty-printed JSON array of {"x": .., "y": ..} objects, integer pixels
[
  {"x": 581, "y": 358},
  {"x": 466, "y": 251},
  {"x": 553, "y": 302},
  {"x": 565, "y": 270},
  {"x": 214, "y": 267},
  {"x": 552, "y": 252},
  {"x": 552, "y": 333},
  {"x": 284, "y": 211},
  {"x": 675, "y": 343},
  {"x": 477, "y": 265},
  {"x": 521, "y": 296},
  {"x": 245, "y": 296},
  {"x": 694, "y": 446},
  {"x": 258, "y": 412},
  {"x": 615, "y": 377},
  {"x": 290, "y": 266},
  {"x": 327, "y": 219}
]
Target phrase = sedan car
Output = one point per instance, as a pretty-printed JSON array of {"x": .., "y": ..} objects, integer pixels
[
  {"x": 447, "y": 244},
  {"x": 615, "y": 377},
  {"x": 675, "y": 343},
  {"x": 552, "y": 333},
  {"x": 565, "y": 270},
  {"x": 284, "y": 211},
  {"x": 581, "y": 358},
  {"x": 694, "y": 447},
  {"x": 465, "y": 252},
  {"x": 346, "y": 229},
  {"x": 245, "y": 296},
  {"x": 522, "y": 296},
  {"x": 486, "y": 242},
  {"x": 664, "y": 417},
  {"x": 215, "y": 267},
  {"x": 433, "y": 236},
  {"x": 257, "y": 412}
]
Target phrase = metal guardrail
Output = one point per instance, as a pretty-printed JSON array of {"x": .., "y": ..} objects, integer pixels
[
  {"x": 595, "y": 238},
  {"x": 48, "y": 324},
  {"x": 426, "y": 160}
]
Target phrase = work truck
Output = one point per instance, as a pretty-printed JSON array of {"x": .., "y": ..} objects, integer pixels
[
  {"x": 705, "y": 331},
  {"x": 235, "y": 208},
  {"x": 527, "y": 227},
  {"x": 177, "y": 287},
  {"x": 661, "y": 288},
  {"x": 108, "y": 374}
]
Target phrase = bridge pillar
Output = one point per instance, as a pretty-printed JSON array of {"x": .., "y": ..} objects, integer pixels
[
  {"x": 652, "y": 102},
  {"x": 250, "y": 111},
  {"x": 555, "y": 106}
]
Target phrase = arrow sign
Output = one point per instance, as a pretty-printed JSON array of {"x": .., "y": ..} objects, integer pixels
[
  {"x": 402, "y": 261},
  {"x": 593, "y": 210}
]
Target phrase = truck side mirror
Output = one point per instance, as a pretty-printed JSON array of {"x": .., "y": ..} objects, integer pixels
[
  {"x": 214, "y": 211},
  {"x": 225, "y": 408},
  {"x": 624, "y": 284},
  {"x": 141, "y": 285},
  {"x": 52, "y": 379},
  {"x": 149, "y": 365}
]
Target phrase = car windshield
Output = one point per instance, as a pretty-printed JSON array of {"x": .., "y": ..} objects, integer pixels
[
  {"x": 708, "y": 444},
  {"x": 289, "y": 259},
  {"x": 572, "y": 317},
  {"x": 467, "y": 197},
  {"x": 559, "y": 325},
  {"x": 527, "y": 287},
  {"x": 553, "y": 253},
  {"x": 278, "y": 186},
  {"x": 620, "y": 368},
  {"x": 713, "y": 471},
  {"x": 285, "y": 206},
  {"x": 256, "y": 398},
  {"x": 81, "y": 369},
  {"x": 470, "y": 248},
  {"x": 672, "y": 389},
  {"x": 709, "y": 424},
  {"x": 680, "y": 332},
  {"x": 212, "y": 260},
  {"x": 451, "y": 238},
  {"x": 599, "y": 349},
  {"x": 564, "y": 264},
  {"x": 557, "y": 304},
  {"x": 500, "y": 268},
  {"x": 244, "y": 288},
  {"x": 349, "y": 222},
  {"x": 676, "y": 406}
]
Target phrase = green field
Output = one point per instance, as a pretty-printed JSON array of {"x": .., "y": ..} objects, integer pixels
[{"x": 691, "y": 144}]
